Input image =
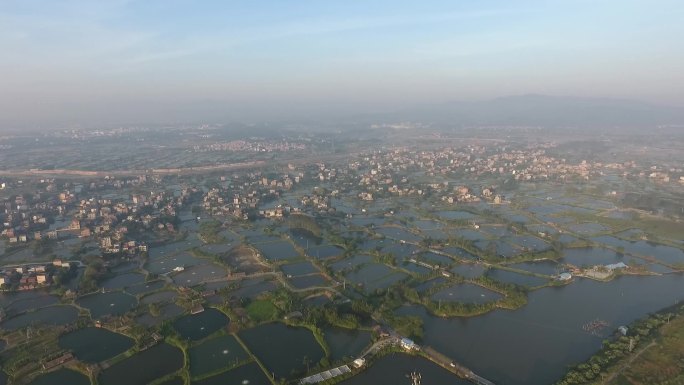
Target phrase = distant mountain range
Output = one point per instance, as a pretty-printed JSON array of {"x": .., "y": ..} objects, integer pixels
[{"x": 546, "y": 111}]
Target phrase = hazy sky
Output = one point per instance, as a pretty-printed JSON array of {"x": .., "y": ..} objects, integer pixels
[{"x": 94, "y": 61}]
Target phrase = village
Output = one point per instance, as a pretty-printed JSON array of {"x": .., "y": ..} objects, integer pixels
[{"x": 311, "y": 253}]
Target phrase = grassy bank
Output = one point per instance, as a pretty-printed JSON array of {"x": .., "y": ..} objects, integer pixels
[{"x": 651, "y": 353}]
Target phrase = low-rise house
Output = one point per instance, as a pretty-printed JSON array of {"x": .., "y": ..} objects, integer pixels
[{"x": 408, "y": 344}]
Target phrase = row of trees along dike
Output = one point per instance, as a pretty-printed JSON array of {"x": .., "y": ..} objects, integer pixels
[
  {"x": 209, "y": 231},
  {"x": 304, "y": 222},
  {"x": 639, "y": 334},
  {"x": 514, "y": 297}
]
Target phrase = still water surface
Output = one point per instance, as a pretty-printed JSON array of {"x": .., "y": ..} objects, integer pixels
[
  {"x": 93, "y": 345},
  {"x": 536, "y": 344}
]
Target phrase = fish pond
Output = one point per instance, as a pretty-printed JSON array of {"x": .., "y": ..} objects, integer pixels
[
  {"x": 123, "y": 280},
  {"x": 52, "y": 315},
  {"x": 215, "y": 354},
  {"x": 307, "y": 281},
  {"x": 250, "y": 374},
  {"x": 286, "y": 351},
  {"x": 198, "y": 326},
  {"x": 345, "y": 343},
  {"x": 466, "y": 293},
  {"x": 590, "y": 256},
  {"x": 301, "y": 268},
  {"x": 93, "y": 345},
  {"x": 506, "y": 276},
  {"x": 105, "y": 304},
  {"x": 61, "y": 377},
  {"x": 277, "y": 250},
  {"x": 144, "y": 367}
]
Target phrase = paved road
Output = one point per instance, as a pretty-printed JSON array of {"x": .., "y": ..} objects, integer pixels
[
  {"x": 379, "y": 345},
  {"x": 181, "y": 170}
]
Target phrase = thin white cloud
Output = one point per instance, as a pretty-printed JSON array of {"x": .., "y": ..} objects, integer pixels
[
  {"x": 77, "y": 33},
  {"x": 323, "y": 26},
  {"x": 228, "y": 39},
  {"x": 481, "y": 44}
]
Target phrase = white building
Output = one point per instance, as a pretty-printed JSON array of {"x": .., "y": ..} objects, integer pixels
[{"x": 408, "y": 344}]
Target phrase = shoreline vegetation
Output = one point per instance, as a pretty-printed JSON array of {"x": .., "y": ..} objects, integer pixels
[{"x": 650, "y": 351}]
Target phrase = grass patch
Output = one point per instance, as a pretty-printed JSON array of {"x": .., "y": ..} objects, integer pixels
[
  {"x": 209, "y": 232},
  {"x": 661, "y": 363},
  {"x": 262, "y": 311},
  {"x": 662, "y": 227}
]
